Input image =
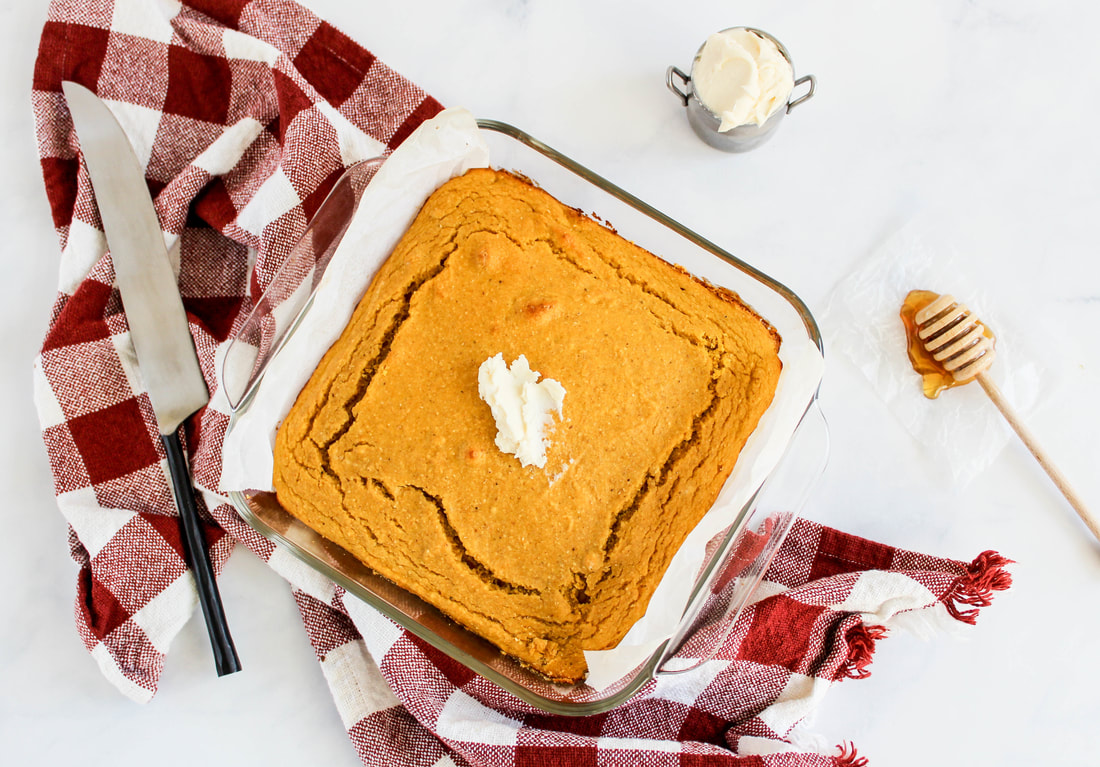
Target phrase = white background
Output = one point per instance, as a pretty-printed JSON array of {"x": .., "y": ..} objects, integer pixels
[{"x": 978, "y": 117}]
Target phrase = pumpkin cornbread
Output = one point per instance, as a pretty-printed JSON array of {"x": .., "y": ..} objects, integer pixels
[{"x": 390, "y": 453}]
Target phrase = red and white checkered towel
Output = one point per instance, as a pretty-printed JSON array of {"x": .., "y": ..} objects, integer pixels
[{"x": 245, "y": 112}]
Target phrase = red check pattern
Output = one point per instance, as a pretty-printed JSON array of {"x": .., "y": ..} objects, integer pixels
[
  {"x": 245, "y": 112},
  {"x": 806, "y": 631}
]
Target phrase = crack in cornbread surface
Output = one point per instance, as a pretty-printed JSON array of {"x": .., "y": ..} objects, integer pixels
[{"x": 390, "y": 453}]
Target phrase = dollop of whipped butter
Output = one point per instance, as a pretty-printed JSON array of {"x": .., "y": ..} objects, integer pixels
[
  {"x": 742, "y": 77},
  {"x": 521, "y": 407}
]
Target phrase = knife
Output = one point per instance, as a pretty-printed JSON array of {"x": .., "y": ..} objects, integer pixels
[{"x": 158, "y": 327}]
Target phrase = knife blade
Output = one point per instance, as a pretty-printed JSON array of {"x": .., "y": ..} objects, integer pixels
[{"x": 163, "y": 345}]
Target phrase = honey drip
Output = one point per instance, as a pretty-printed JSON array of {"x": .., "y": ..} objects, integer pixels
[{"x": 935, "y": 377}]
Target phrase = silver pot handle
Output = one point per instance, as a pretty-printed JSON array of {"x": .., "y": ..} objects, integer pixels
[
  {"x": 804, "y": 79},
  {"x": 685, "y": 79}
]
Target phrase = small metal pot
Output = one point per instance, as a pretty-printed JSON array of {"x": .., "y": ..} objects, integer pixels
[{"x": 705, "y": 122}]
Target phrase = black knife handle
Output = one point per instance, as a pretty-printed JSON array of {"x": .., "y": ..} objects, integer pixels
[{"x": 198, "y": 559}]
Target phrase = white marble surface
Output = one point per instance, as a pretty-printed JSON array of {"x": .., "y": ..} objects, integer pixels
[{"x": 980, "y": 117}]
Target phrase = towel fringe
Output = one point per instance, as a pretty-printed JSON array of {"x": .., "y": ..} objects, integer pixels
[
  {"x": 975, "y": 587},
  {"x": 861, "y": 648},
  {"x": 848, "y": 756}
]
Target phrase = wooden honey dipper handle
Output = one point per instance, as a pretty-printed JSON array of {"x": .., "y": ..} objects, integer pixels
[
  {"x": 1044, "y": 460},
  {"x": 963, "y": 348}
]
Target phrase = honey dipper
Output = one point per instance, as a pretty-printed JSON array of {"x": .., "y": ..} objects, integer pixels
[{"x": 962, "y": 346}]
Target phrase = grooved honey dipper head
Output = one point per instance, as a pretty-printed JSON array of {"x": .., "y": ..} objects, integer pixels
[
  {"x": 955, "y": 338},
  {"x": 948, "y": 346}
]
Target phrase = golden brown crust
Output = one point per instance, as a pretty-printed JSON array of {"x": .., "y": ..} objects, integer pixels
[{"x": 390, "y": 453}]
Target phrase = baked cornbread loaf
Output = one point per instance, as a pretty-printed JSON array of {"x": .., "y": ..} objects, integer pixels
[{"x": 389, "y": 452}]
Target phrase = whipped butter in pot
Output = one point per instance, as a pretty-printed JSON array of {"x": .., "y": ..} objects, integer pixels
[
  {"x": 741, "y": 85},
  {"x": 742, "y": 77}
]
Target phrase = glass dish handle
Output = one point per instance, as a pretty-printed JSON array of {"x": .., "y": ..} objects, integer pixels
[
  {"x": 782, "y": 497},
  {"x": 288, "y": 293}
]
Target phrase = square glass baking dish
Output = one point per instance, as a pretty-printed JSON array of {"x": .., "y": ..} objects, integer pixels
[{"x": 737, "y": 557}]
